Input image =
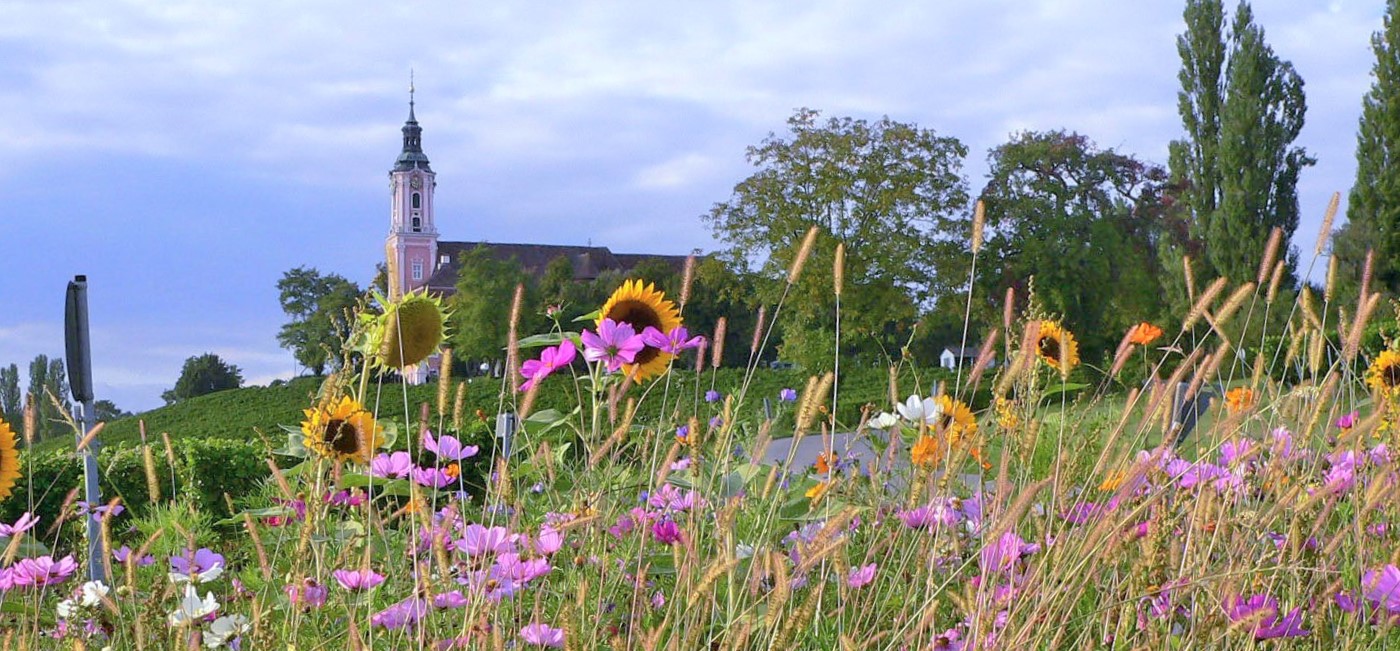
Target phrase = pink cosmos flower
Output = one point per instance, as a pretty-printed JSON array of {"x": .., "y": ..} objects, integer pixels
[
  {"x": 614, "y": 344},
  {"x": 1383, "y": 588},
  {"x": 307, "y": 594},
  {"x": 1348, "y": 421},
  {"x": 431, "y": 477},
  {"x": 346, "y": 498},
  {"x": 395, "y": 465},
  {"x": 448, "y": 448},
  {"x": 479, "y": 541},
  {"x": 1263, "y": 611},
  {"x": 1002, "y": 555},
  {"x": 551, "y": 359},
  {"x": 298, "y": 513},
  {"x": 400, "y": 615},
  {"x": 197, "y": 566},
  {"x": 549, "y": 541},
  {"x": 365, "y": 579},
  {"x": 41, "y": 571},
  {"x": 23, "y": 524},
  {"x": 861, "y": 576},
  {"x": 677, "y": 340},
  {"x": 934, "y": 514},
  {"x": 542, "y": 635},
  {"x": 122, "y": 553},
  {"x": 453, "y": 599}
]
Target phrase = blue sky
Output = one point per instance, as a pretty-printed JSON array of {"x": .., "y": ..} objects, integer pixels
[{"x": 184, "y": 154}]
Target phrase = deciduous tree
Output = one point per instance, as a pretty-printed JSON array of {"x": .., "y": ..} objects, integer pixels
[{"x": 201, "y": 375}]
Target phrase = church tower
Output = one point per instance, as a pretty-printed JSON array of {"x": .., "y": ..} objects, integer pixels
[{"x": 411, "y": 247}]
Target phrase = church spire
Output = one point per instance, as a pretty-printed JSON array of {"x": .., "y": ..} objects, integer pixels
[{"x": 412, "y": 156}]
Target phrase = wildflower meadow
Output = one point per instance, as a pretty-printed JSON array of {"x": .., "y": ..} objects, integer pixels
[{"x": 1060, "y": 514}]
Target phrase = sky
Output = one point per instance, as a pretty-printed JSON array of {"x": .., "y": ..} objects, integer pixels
[{"x": 183, "y": 155}]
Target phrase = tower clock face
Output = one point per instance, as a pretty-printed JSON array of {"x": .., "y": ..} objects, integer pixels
[{"x": 416, "y": 183}]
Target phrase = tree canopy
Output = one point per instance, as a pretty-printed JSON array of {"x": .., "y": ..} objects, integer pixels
[
  {"x": 203, "y": 374},
  {"x": 319, "y": 307}
]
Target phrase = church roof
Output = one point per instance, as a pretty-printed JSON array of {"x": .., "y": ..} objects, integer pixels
[
  {"x": 588, "y": 261},
  {"x": 412, "y": 156}
]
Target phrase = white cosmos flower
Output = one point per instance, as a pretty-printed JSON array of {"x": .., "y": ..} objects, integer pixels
[
  {"x": 885, "y": 420},
  {"x": 66, "y": 608},
  {"x": 225, "y": 629},
  {"x": 914, "y": 410},
  {"x": 93, "y": 593},
  {"x": 192, "y": 608}
]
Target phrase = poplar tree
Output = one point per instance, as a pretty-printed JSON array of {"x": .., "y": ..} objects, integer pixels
[
  {"x": 1242, "y": 107},
  {"x": 1373, "y": 207}
]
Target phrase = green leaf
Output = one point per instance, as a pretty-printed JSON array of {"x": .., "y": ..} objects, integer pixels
[
  {"x": 390, "y": 433},
  {"x": 296, "y": 443},
  {"x": 590, "y": 317}
]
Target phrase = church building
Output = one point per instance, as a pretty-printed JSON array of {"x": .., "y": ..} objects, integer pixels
[{"x": 416, "y": 258}]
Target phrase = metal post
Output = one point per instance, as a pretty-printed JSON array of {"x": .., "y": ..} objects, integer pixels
[
  {"x": 505, "y": 431},
  {"x": 78, "y": 347}
]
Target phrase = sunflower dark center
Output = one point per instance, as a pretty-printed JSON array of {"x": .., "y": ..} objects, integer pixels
[
  {"x": 1050, "y": 347},
  {"x": 1392, "y": 375},
  {"x": 341, "y": 435},
  {"x": 640, "y": 316}
]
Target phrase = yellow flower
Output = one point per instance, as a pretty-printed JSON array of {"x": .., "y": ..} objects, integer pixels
[
  {"x": 1239, "y": 399},
  {"x": 1384, "y": 374},
  {"x": 815, "y": 493},
  {"x": 411, "y": 329},
  {"x": 9, "y": 461},
  {"x": 642, "y": 306},
  {"x": 956, "y": 421},
  {"x": 1057, "y": 347},
  {"x": 1113, "y": 481},
  {"x": 341, "y": 431},
  {"x": 1006, "y": 414}
]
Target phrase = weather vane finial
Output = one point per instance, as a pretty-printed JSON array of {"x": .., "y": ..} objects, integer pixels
[{"x": 410, "y": 85}]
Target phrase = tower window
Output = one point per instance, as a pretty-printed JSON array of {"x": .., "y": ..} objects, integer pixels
[
  {"x": 417, "y": 224},
  {"x": 417, "y": 201},
  {"x": 417, "y": 270}
]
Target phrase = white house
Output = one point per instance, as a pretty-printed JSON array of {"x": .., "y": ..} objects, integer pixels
[{"x": 954, "y": 356}]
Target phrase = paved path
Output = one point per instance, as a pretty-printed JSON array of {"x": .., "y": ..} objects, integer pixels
[{"x": 848, "y": 446}]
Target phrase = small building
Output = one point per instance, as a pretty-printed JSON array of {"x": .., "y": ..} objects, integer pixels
[{"x": 958, "y": 356}]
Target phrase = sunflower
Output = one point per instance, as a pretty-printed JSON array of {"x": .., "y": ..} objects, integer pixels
[
  {"x": 642, "y": 306},
  {"x": 956, "y": 421},
  {"x": 409, "y": 330},
  {"x": 343, "y": 431},
  {"x": 1384, "y": 375},
  {"x": 9, "y": 461},
  {"x": 1057, "y": 346}
]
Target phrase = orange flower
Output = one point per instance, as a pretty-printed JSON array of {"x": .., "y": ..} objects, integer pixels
[
  {"x": 1143, "y": 333},
  {"x": 925, "y": 452},
  {"x": 824, "y": 463},
  {"x": 1239, "y": 399},
  {"x": 977, "y": 454},
  {"x": 452, "y": 470}
]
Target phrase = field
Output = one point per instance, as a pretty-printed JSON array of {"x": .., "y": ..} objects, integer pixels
[{"x": 638, "y": 507}]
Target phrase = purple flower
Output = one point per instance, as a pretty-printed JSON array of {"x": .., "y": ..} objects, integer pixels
[
  {"x": 683, "y": 433},
  {"x": 542, "y": 635},
  {"x": 549, "y": 541},
  {"x": 787, "y": 395},
  {"x": 346, "y": 498},
  {"x": 681, "y": 464},
  {"x": 1383, "y": 588},
  {"x": 308, "y": 594},
  {"x": 479, "y": 541},
  {"x": 934, "y": 514},
  {"x": 1002, "y": 555},
  {"x": 432, "y": 477},
  {"x": 861, "y": 576},
  {"x": 99, "y": 512},
  {"x": 666, "y": 532},
  {"x": 41, "y": 571},
  {"x": 122, "y": 553},
  {"x": 196, "y": 566},
  {"x": 712, "y": 396},
  {"x": 448, "y": 448},
  {"x": 364, "y": 579},
  {"x": 677, "y": 340},
  {"x": 551, "y": 359},
  {"x": 614, "y": 344},
  {"x": 402, "y": 614},
  {"x": 298, "y": 513},
  {"x": 1231, "y": 451},
  {"x": 1262, "y": 611},
  {"x": 23, "y": 524},
  {"x": 1081, "y": 512},
  {"x": 1348, "y": 421},
  {"x": 395, "y": 465},
  {"x": 453, "y": 599}
]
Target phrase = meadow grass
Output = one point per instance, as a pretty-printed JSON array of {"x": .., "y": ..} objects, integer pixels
[{"x": 646, "y": 514}]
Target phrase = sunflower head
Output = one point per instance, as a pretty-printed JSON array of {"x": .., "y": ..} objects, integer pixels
[
  {"x": 1384, "y": 374},
  {"x": 643, "y": 306},
  {"x": 9, "y": 461},
  {"x": 956, "y": 421},
  {"x": 409, "y": 330},
  {"x": 341, "y": 431},
  {"x": 1057, "y": 347}
]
